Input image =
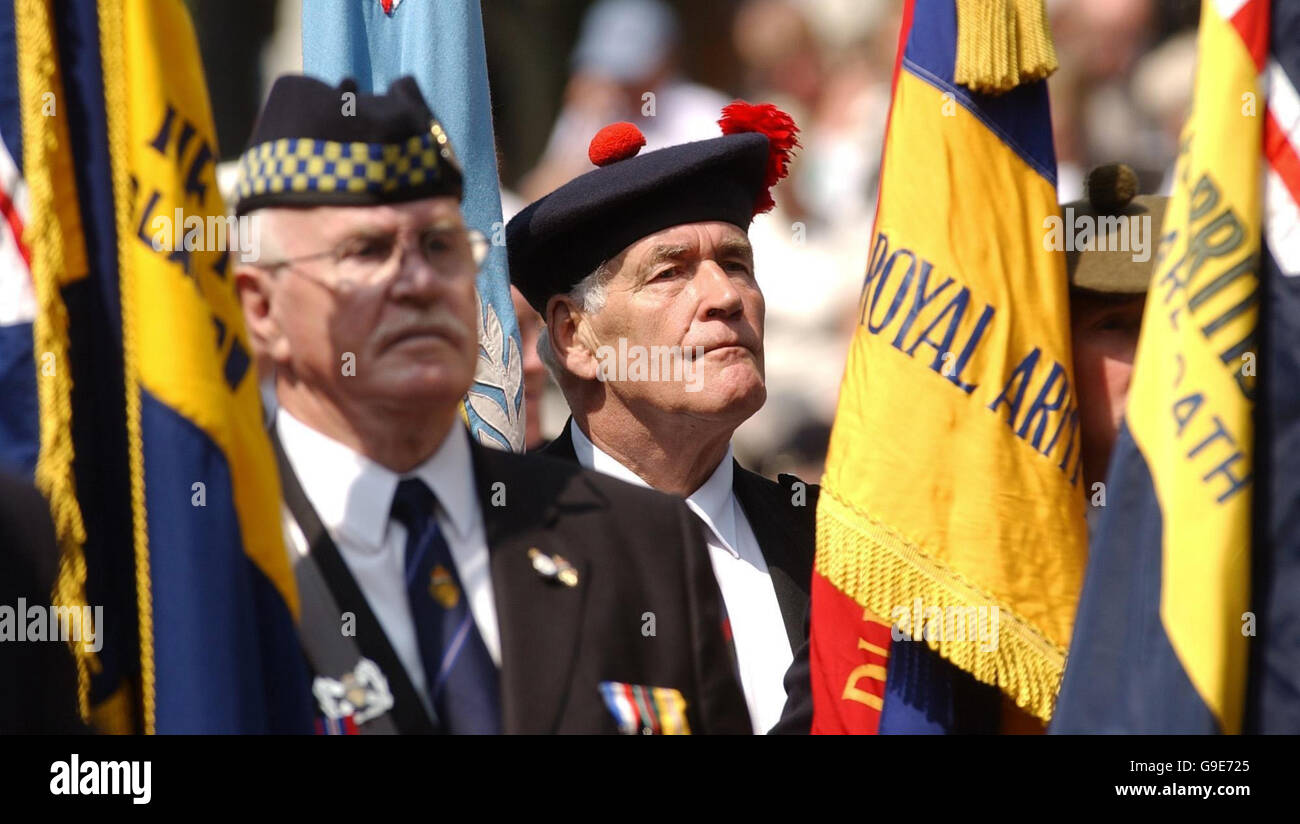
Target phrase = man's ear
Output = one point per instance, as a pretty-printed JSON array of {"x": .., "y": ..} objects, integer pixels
[
  {"x": 571, "y": 338},
  {"x": 255, "y": 287}
]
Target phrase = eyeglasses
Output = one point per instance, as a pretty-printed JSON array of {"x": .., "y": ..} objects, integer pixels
[{"x": 372, "y": 259}]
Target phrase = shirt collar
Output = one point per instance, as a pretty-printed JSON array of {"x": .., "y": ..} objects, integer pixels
[
  {"x": 353, "y": 495},
  {"x": 713, "y": 502},
  {"x": 449, "y": 472}
]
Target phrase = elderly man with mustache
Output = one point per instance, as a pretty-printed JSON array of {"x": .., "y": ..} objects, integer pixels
[
  {"x": 644, "y": 274},
  {"x": 444, "y": 587}
]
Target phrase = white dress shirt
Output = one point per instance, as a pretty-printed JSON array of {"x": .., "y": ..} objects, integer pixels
[
  {"x": 757, "y": 628},
  {"x": 353, "y": 496}
]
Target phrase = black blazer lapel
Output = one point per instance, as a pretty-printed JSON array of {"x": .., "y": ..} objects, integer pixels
[
  {"x": 539, "y": 616},
  {"x": 785, "y": 533},
  {"x": 562, "y": 447},
  {"x": 786, "y": 542}
]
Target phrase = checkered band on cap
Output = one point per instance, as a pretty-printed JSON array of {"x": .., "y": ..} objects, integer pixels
[{"x": 301, "y": 165}]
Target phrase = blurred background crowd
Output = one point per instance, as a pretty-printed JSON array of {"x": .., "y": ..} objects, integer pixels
[{"x": 561, "y": 69}]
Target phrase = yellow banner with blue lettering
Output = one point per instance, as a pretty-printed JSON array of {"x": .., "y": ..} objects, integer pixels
[
  {"x": 953, "y": 475},
  {"x": 1198, "y": 351},
  {"x": 1167, "y": 616},
  {"x": 218, "y": 599},
  {"x": 153, "y": 453}
]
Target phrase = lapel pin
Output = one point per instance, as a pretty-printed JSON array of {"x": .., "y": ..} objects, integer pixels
[
  {"x": 567, "y": 574},
  {"x": 553, "y": 567}
]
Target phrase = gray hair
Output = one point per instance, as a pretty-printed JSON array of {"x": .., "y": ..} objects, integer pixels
[{"x": 588, "y": 296}]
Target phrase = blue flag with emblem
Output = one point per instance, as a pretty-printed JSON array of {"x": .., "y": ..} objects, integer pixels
[
  {"x": 149, "y": 442},
  {"x": 440, "y": 44}
]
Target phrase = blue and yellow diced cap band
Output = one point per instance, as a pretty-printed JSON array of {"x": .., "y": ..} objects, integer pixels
[{"x": 317, "y": 145}]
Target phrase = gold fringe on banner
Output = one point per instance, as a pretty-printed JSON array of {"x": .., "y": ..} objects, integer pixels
[
  {"x": 1001, "y": 44},
  {"x": 53, "y": 235},
  {"x": 112, "y": 46},
  {"x": 879, "y": 570}
]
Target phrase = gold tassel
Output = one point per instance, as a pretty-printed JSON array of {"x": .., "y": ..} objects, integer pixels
[
  {"x": 1034, "y": 37},
  {"x": 878, "y": 569},
  {"x": 53, "y": 235},
  {"x": 1001, "y": 44}
]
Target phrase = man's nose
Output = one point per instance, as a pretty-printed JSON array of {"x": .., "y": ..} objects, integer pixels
[
  {"x": 719, "y": 297},
  {"x": 416, "y": 279}
]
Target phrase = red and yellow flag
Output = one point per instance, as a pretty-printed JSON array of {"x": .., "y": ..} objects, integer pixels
[{"x": 951, "y": 507}]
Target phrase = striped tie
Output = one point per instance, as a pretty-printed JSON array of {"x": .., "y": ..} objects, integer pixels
[{"x": 460, "y": 675}]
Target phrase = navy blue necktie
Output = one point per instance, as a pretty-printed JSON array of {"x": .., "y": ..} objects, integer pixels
[{"x": 459, "y": 673}]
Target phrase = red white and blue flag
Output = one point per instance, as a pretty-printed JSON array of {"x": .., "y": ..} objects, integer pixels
[{"x": 19, "y": 416}]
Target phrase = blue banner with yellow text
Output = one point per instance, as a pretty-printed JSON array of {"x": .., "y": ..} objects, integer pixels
[{"x": 151, "y": 446}]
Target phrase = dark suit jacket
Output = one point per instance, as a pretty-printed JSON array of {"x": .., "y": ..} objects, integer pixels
[
  {"x": 640, "y": 558},
  {"x": 797, "y": 715},
  {"x": 785, "y": 530},
  {"x": 38, "y": 680}
]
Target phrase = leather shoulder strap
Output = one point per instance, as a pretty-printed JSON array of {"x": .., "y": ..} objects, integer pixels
[
  {"x": 327, "y": 591},
  {"x": 331, "y": 653}
]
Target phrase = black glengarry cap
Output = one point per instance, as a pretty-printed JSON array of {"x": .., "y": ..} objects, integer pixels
[{"x": 313, "y": 146}]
